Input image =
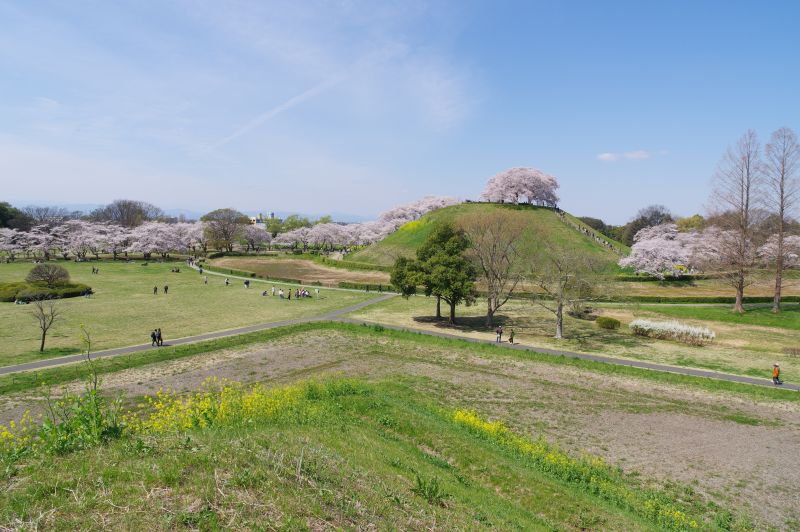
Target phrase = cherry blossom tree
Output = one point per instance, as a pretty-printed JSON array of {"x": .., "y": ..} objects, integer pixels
[
  {"x": 662, "y": 251},
  {"x": 788, "y": 251},
  {"x": 255, "y": 237},
  {"x": 516, "y": 183},
  {"x": 12, "y": 242}
]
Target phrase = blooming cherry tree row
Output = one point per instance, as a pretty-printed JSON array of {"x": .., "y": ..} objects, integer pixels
[{"x": 663, "y": 251}]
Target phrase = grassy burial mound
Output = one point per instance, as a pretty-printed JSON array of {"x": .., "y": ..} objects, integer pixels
[
  {"x": 336, "y": 453},
  {"x": 405, "y": 241}
]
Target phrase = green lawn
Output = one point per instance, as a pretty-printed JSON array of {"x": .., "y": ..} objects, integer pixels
[
  {"x": 760, "y": 315},
  {"x": 739, "y": 349},
  {"x": 124, "y": 310}
]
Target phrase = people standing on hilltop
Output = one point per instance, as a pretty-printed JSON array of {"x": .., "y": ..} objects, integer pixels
[
  {"x": 155, "y": 290},
  {"x": 166, "y": 289},
  {"x": 273, "y": 290},
  {"x": 227, "y": 281},
  {"x": 205, "y": 279},
  {"x": 159, "y": 338}
]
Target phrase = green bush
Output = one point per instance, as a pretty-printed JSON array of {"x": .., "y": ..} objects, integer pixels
[
  {"x": 10, "y": 292},
  {"x": 367, "y": 286},
  {"x": 604, "y": 322}
]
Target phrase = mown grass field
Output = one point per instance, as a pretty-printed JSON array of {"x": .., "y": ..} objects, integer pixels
[
  {"x": 745, "y": 348},
  {"x": 409, "y": 237},
  {"x": 353, "y": 459},
  {"x": 124, "y": 310}
]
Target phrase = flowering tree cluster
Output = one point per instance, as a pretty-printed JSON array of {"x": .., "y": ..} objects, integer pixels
[
  {"x": 361, "y": 234},
  {"x": 517, "y": 183},
  {"x": 80, "y": 238},
  {"x": 663, "y": 251}
]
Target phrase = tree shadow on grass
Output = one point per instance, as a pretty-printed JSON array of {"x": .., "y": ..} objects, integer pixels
[{"x": 466, "y": 323}]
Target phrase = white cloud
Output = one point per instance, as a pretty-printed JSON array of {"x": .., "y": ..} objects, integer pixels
[{"x": 636, "y": 155}]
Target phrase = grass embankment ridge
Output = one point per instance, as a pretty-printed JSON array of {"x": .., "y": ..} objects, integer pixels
[
  {"x": 339, "y": 453},
  {"x": 26, "y": 381}
]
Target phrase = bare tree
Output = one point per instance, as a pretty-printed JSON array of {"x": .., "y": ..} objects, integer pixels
[
  {"x": 565, "y": 276},
  {"x": 127, "y": 213},
  {"x": 736, "y": 189},
  {"x": 783, "y": 191},
  {"x": 51, "y": 274},
  {"x": 495, "y": 239},
  {"x": 46, "y": 313},
  {"x": 224, "y": 227},
  {"x": 47, "y": 216}
]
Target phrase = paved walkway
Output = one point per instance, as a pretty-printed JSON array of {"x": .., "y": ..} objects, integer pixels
[
  {"x": 337, "y": 316},
  {"x": 596, "y": 358},
  {"x": 71, "y": 359}
]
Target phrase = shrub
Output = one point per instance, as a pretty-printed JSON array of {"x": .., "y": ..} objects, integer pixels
[
  {"x": 604, "y": 322},
  {"x": 367, "y": 286},
  {"x": 50, "y": 274},
  {"x": 672, "y": 330},
  {"x": 28, "y": 292}
]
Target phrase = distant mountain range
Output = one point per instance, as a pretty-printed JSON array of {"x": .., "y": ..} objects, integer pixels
[{"x": 195, "y": 215}]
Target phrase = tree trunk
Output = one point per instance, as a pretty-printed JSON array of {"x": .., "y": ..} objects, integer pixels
[
  {"x": 739, "y": 306},
  {"x": 776, "y": 303},
  {"x": 438, "y": 308},
  {"x": 41, "y": 346},
  {"x": 490, "y": 313},
  {"x": 560, "y": 320},
  {"x": 452, "y": 313}
]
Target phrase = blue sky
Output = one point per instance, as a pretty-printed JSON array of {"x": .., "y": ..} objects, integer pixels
[{"x": 356, "y": 106}]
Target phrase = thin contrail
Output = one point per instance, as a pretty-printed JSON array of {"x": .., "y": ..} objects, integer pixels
[
  {"x": 370, "y": 60},
  {"x": 285, "y": 106}
]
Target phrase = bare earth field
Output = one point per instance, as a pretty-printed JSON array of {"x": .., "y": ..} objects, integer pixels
[
  {"x": 732, "y": 449},
  {"x": 305, "y": 270}
]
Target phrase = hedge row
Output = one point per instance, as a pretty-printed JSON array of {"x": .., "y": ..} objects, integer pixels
[
  {"x": 650, "y": 279},
  {"x": 702, "y": 299},
  {"x": 353, "y": 265},
  {"x": 367, "y": 286},
  {"x": 10, "y": 292}
]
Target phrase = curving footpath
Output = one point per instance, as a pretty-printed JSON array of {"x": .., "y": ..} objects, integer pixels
[
  {"x": 337, "y": 316},
  {"x": 72, "y": 359}
]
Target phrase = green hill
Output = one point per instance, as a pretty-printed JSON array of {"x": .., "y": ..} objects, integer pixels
[{"x": 404, "y": 241}]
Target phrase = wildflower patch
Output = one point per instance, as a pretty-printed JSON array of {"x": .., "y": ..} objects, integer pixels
[{"x": 591, "y": 473}]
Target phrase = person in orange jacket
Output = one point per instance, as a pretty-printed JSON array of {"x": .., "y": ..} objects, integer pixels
[{"x": 776, "y": 374}]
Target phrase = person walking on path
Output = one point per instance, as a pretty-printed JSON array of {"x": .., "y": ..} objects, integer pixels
[
  {"x": 776, "y": 374},
  {"x": 166, "y": 289},
  {"x": 499, "y": 332},
  {"x": 511, "y": 336},
  {"x": 153, "y": 337},
  {"x": 159, "y": 338},
  {"x": 155, "y": 290}
]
